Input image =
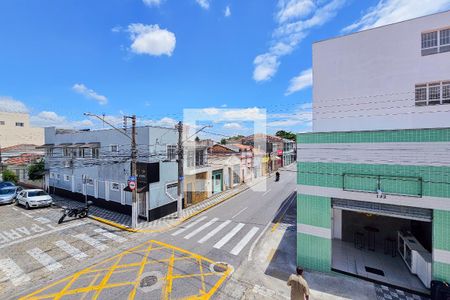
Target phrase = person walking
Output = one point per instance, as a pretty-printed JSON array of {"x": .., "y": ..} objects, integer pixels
[{"x": 299, "y": 286}]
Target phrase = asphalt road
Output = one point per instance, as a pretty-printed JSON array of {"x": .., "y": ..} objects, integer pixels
[{"x": 174, "y": 264}]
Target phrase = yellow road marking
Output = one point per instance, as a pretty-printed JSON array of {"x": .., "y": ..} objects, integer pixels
[
  {"x": 112, "y": 266},
  {"x": 271, "y": 254}
]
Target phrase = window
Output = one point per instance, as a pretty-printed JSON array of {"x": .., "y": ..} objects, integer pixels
[
  {"x": 66, "y": 178},
  {"x": 190, "y": 158},
  {"x": 19, "y": 124},
  {"x": 2, "y": 122},
  {"x": 444, "y": 37},
  {"x": 115, "y": 186},
  {"x": 67, "y": 152},
  {"x": 114, "y": 148},
  {"x": 429, "y": 40},
  {"x": 58, "y": 176},
  {"x": 52, "y": 175},
  {"x": 434, "y": 93},
  {"x": 49, "y": 152},
  {"x": 446, "y": 92},
  {"x": 199, "y": 158},
  {"x": 90, "y": 181},
  {"x": 171, "y": 152},
  {"x": 95, "y": 152}
]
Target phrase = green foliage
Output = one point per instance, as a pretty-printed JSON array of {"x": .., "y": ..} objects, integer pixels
[
  {"x": 36, "y": 170},
  {"x": 286, "y": 135},
  {"x": 197, "y": 139},
  {"x": 223, "y": 141},
  {"x": 9, "y": 175}
]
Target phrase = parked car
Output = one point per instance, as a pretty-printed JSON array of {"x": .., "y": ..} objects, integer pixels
[
  {"x": 33, "y": 198},
  {"x": 6, "y": 184},
  {"x": 8, "y": 194}
]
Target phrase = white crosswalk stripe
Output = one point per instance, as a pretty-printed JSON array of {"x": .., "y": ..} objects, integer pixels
[
  {"x": 201, "y": 228},
  {"x": 188, "y": 226},
  {"x": 91, "y": 241},
  {"x": 71, "y": 250},
  {"x": 43, "y": 258},
  {"x": 242, "y": 243},
  {"x": 110, "y": 235},
  {"x": 229, "y": 236},
  {"x": 13, "y": 272},
  {"x": 214, "y": 231}
]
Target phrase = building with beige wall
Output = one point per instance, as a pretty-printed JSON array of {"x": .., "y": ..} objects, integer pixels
[{"x": 15, "y": 129}]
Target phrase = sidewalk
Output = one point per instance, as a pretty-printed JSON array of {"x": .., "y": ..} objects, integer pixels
[
  {"x": 123, "y": 221},
  {"x": 265, "y": 276}
]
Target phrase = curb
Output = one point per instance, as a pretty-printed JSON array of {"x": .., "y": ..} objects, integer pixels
[{"x": 126, "y": 228}]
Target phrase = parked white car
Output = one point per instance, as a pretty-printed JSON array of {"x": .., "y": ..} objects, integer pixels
[{"x": 33, "y": 198}]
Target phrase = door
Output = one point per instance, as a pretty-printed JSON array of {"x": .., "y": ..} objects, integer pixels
[
  {"x": 217, "y": 182},
  {"x": 142, "y": 205}
]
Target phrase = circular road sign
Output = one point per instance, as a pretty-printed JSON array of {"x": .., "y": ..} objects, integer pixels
[{"x": 132, "y": 185}]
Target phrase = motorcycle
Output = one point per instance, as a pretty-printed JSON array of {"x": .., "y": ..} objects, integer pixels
[
  {"x": 75, "y": 212},
  {"x": 277, "y": 176}
]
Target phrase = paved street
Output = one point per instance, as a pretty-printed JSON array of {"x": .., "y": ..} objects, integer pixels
[{"x": 186, "y": 256}]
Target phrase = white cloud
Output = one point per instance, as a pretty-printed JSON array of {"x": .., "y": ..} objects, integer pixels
[
  {"x": 152, "y": 2},
  {"x": 116, "y": 29},
  {"x": 163, "y": 122},
  {"x": 300, "y": 82},
  {"x": 391, "y": 11},
  {"x": 234, "y": 126},
  {"x": 227, "y": 11},
  {"x": 211, "y": 111},
  {"x": 8, "y": 104},
  {"x": 291, "y": 9},
  {"x": 302, "y": 116},
  {"x": 203, "y": 3},
  {"x": 50, "y": 119},
  {"x": 296, "y": 18},
  {"x": 89, "y": 93},
  {"x": 151, "y": 40}
]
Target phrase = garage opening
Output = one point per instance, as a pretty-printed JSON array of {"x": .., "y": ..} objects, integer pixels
[{"x": 384, "y": 243}]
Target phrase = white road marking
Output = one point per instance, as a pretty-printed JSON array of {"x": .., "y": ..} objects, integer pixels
[
  {"x": 213, "y": 232},
  {"x": 201, "y": 228},
  {"x": 46, "y": 260},
  {"x": 42, "y": 220},
  {"x": 266, "y": 192},
  {"x": 110, "y": 235},
  {"x": 25, "y": 214},
  {"x": 239, "y": 212},
  {"x": 71, "y": 250},
  {"x": 229, "y": 236},
  {"x": 238, "y": 248},
  {"x": 14, "y": 208},
  {"x": 13, "y": 272},
  {"x": 42, "y": 234},
  {"x": 188, "y": 226},
  {"x": 91, "y": 241}
]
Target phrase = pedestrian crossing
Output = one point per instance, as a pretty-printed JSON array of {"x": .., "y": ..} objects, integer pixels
[
  {"x": 222, "y": 234},
  {"x": 14, "y": 271}
]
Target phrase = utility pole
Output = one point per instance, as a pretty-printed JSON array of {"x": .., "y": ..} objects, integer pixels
[
  {"x": 180, "y": 167},
  {"x": 134, "y": 212}
]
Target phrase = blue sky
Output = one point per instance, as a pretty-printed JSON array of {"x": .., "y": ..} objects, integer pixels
[{"x": 156, "y": 57}]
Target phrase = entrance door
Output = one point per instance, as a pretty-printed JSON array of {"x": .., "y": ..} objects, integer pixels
[
  {"x": 217, "y": 182},
  {"x": 142, "y": 205}
]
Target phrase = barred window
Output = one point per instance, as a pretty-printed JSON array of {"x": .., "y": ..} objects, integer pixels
[
  {"x": 446, "y": 92},
  {"x": 429, "y": 39},
  {"x": 445, "y": 37},
  {"x": 171, "y": 152},
  {"x": 434, "y": 93},
  {"x": 421, "y": 94}
]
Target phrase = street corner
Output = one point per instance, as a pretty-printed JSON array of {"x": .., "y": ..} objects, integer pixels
[{"x": 152, "y": 270}]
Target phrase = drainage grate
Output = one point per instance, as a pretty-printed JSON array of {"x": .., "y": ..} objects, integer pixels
[{"x": 149, "y": 281}]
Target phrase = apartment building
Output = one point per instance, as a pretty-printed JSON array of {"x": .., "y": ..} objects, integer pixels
[
  {"x": 97, "y": 164},
  {"x": 374, "y": 175},
  {"x": 15, "y": 129}
]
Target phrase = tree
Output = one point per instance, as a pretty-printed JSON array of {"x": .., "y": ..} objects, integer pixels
[
  {"x": 36, "y": 170},
  {"x": 286, "y": 134},
  {"x": 223, "y": 141},
  {"x": 197, "y": 139},
  {"x": 9, "y": 175}
]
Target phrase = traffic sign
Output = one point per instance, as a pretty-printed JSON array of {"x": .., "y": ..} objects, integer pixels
[
  {"x": 132, "y": 178},
  {"x": 132, "y": 185}
]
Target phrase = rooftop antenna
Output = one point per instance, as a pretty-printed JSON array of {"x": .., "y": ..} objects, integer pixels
[{"x": 103, "y": 123}]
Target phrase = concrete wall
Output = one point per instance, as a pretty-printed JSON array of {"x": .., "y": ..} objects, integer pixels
[
  {"x": 11, "y": 135},
  {"x": 366, "y": 80}
]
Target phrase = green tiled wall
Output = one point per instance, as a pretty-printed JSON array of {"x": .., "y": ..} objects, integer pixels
[
  {"x": 383, "y": 136},
  {"x": 441, "y": 271},
  {"x": 436, "y": 180},
  {"x": 313, "y": 252},
  {"x": 314, "y": 210},
  {"x": 441, "y": 229}
]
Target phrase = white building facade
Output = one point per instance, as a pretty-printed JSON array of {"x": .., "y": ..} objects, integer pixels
[{"x": 376, "y": 167}]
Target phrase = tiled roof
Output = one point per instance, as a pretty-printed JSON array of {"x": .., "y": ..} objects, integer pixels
[{"x": 23, "y": 159}]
